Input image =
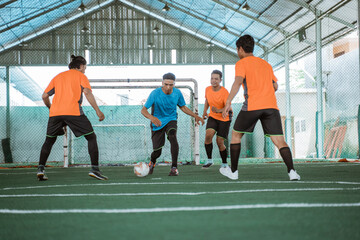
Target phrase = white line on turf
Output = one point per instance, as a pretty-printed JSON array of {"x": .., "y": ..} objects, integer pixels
[
  {"x": 174, "y": 193},
  {"x": 180, "y": 183},
  {"x": 180, "y": 209}
]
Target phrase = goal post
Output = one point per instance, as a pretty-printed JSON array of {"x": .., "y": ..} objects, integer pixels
[{"x": 136, "y": 138}]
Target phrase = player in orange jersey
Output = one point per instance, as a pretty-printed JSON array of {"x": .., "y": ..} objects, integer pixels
[
  {"x": 66, "y": 110},
  {"x": 259, "y": 82},
  {"x": 215, "y": 98}
]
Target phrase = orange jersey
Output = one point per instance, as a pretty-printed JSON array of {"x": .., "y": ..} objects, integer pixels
[
  {"x": 67, "y": 87},
  {"x": 258, "y": 86},
  {"x": 218, "y": 100}
]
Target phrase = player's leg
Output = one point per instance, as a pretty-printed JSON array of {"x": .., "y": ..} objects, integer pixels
[
  {"x": 158, "y": 141},
  {"x": 286, "y": 155},
  {"x": 245, "y": 123},
  {"x": 94, "y": 157},
  {"x": 81, "y": 126},
  {"x": 271, "y": 123},
  {"x": 171, "y": 129},
  {"x": 211, "y": 129},
  {"x": 222, "y": 150},
  {"x": 209, "y": 134},
  {"x": 222, "y": 135},
  {"x": 54, "y": 129},
  {"x": 44, "y": 155}
]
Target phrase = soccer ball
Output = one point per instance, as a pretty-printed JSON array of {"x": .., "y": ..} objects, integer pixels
[{"x": 141, "y": 169}]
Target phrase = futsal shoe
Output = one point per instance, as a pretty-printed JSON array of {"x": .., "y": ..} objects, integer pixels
[
  {"x": 151, "y": 167},
  {"x": 174, "y": 172},
  {"x": 293, "y": 175},
  {"x": 226, "y": 171},
  {"x": 224, "y": 166},
  {"x": 207, "y": 165},
  {"x": 97, "y": 175},
  {"x": 41, "y": 175}
]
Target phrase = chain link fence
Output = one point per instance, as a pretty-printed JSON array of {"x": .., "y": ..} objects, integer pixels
[{"x": 117, "y": 36}]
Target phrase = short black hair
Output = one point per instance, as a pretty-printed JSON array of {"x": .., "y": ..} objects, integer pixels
[
  {"x": 246, "y": 42},
  {"x": 76, "y": 61},
  {"x": 217, "y": 72},
  {"x": 170, "y": 76}
]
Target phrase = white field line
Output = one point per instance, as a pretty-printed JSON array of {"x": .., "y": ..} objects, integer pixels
[
  {"x": 180, "y": 209},
  {"x": 174, "y": 193},
  {"x": 179, "y": 183}
]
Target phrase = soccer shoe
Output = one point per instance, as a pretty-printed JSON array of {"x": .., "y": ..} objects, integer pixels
[
  {"x": 97, "y": 175},
  {"x": 151, "y": 167},
  {"x": 224, "y": 166},
  {"x": 207, "y": 165},
  {"x": 293, "y": 175},
  {"x": 174, "y": 172},
  {"x": 226, "y": 171},
  {"x": 41, "y": 175}
]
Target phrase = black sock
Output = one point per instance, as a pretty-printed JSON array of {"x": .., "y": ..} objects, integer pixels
[
  {"x": 223, "y": 155},
  {"x": 155, "y": 155},
  {"x": 93, "y": 149},
  {"x": 209, "y": 148},
  {"x": 235, "y": 154},
  {"x": 174, "y": 149},
  {"x": 287, "y": 157},
  {"x": 46, "y": 149}
]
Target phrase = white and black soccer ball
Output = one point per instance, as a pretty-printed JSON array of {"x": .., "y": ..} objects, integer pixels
[{"x": 141, "y": 169}]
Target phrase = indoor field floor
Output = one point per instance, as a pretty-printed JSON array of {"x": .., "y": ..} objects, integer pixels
[{"x": 197, "y": 204}]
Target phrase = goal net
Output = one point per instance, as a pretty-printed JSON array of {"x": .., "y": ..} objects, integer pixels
[{"x": 124, "y": 137}]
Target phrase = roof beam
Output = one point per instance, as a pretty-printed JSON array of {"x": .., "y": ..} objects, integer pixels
[
  {"x": 176, "y": 25},
  {"x": 52, "y": 27},
  {"x": 7, "y": 3},
  {"x": 334, "y": 8},
  {"x": 313, "y": 9},
  {"x": 282, "y": 31},
  {"x": 253, "y": 18},
  {"x": 35, "y": 16},
  {"x": 198, "y": 15}
]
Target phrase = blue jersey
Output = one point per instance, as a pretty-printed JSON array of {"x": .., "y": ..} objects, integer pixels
[{"x": 164, "y": 106}]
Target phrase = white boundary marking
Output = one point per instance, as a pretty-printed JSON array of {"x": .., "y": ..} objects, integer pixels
[
  {"x": 175, "y": 193},
  {"x": 179, "y": 183},
  {"x": 179, "y": 209}
]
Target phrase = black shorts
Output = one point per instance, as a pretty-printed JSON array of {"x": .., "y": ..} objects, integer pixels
[
  {"x": 158, "y": 137},
  {"x": 79, "y": 125},
  {"x": 221, "y": 128},
  {"x": 270, "y": 121}
]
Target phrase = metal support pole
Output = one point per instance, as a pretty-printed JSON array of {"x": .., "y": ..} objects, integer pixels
[
  {"x": 223, "y": 74},
  {"x": 268, "y": 145},
  {"x": 7, "y": 102},
  {"x": 288, "y": 103},
  {"x": 358, "y": 28},
  {"x": 194, "y": 92},
  {"x": 320, "y": 120}
]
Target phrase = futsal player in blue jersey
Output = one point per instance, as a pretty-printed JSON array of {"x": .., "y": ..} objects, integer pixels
[{"x": 163, "y": 117}]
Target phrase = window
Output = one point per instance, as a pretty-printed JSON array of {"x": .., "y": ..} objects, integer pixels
[{"x": 173, "y": 56}]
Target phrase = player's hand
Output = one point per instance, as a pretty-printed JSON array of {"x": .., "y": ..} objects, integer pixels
[
  {"x": 199, "y": 119},
  {"x": 215, "y": 109},
  {"x": 100, "y": 115},
  {"x": 227, "y": 108},
  {"x": 156, "y": 121},
  {"x": 205, "y": 115}
]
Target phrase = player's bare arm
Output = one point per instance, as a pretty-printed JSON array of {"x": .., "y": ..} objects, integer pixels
[
  {"x": 46, "y": 99},
  {"x": 91, "y": 99},
  {"x": 275, "y": 85},
  {"x": 152, "y": 118},
  {"x": 198, "y": 119},
  {"x": 206, "y": 107},
  {"x": 234, "y": 90}
]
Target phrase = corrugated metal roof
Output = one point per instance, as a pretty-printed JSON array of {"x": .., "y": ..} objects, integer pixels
[{"x": 220, "y": 22}]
